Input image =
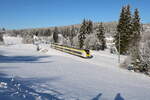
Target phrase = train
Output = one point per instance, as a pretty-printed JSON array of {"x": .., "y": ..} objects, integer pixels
[{"x": 84, "y": 53}]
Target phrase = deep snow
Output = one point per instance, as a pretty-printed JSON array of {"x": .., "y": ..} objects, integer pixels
[{"x": 68, "y": 77}]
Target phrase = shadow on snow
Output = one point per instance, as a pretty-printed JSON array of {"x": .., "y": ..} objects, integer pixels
[
  {"x": 117, "y": 97},
  {"x": 22, "y": 59},
  {"x": 18, "y": 89},
  {"x": 97, "y": 97}
]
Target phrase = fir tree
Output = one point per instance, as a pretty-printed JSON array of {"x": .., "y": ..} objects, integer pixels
[
  {"x": 136, "y": 36},
  {"x": 123, "y": 35},
  {"x": 1, "y": 34},
  {"x": 86, "y": 29},
  {"x": 72, "y": 35},
  {"x": 101, "y": 36},
  {"x": 55, "y": 35},
  {"x": 82, "y": 34},
  {"x": 89, "y": 27},
  {"x": 1, "y": 37},
  {"x": 120, "y": 30},
  {"x": 129, "y": 31},
  {"x": 136, "y": 28},
  {"x": 47, "y": 32},
  {"x": 66, "y": 32}
]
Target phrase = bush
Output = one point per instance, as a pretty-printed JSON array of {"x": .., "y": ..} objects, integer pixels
[{"x": 91, "y": 42}]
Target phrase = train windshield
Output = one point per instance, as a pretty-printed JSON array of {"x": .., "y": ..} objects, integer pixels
[{"x": 87, "y": 51}]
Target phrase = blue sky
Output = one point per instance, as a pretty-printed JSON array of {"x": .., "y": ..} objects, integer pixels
[{"x": 18, "y": 14}]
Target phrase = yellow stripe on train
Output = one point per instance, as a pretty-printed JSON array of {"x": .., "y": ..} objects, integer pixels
[{"x": 74, "y": 51}]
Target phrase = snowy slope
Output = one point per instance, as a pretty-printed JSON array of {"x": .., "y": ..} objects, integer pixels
[{"x": 72, "y": 78}]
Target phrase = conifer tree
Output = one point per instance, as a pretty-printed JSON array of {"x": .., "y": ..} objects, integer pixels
[
  {"x": 1, "y": 34},
  {"x": 89, "y": 27},
  {"x": 1, "y": 37},
  {"x": 120, "y": 30},
  {"x": 101, "y": 36},
  {"x": 123, "y": 35},
  {"x": 128, "y": 26},
  {"x": 72, "y": 35},
  {"x": 86, "y": 29},
  {"x": 136, "y": 28},
  {"x": 55, "y": 35},
  {"x": 82, "y": 34},
  {"x": 136, "y": 36},
  {"x": 48, "y": 32}
]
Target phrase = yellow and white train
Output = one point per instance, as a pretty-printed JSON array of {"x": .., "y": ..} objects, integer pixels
[{"x": 74, "y": 51}]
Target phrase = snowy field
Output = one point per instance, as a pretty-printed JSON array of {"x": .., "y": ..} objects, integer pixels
[{"x": 26, "y": 74}]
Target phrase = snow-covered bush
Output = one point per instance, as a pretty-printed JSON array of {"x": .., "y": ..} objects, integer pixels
[
  {"x": 76, "y": 41},
  {"x": 127, "y": 63},
  {"x": 113, "y": 49},
  {"x": 91, "y": 42},
  {"x": 145, "y": 55},
  {"x": 28, "y": 39},
  {"x": 65, "y": 41},
  {"x": 140, "y": 56}
]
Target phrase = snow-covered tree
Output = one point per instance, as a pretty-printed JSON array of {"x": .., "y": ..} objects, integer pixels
[
  {"x": 123, "y": 34},
  {"x": 136, "y": 28},
  {"x": 47, "y": 32},
  {"x": 136, "y": 37},
  {"x": 82, "y": 33},
  {"x": 76, "y": 41},
  {"x": 1, "y": 34},
  {"x": 1, "y": 37},
  {"x": 144, "y": 57},
  {"x": 64, "y": 41},
  {"x": 89, "y": 27},
  {"x": 85, "y": 30},
  {"x": 101, "y": 36},
  {"x": 92, "y": 42},
  {"x": 141, "y": 62},
  {"x": 72, "y": 35},
  {"x": 55, "y": 35}
]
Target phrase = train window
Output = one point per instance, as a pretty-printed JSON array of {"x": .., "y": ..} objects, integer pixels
[{"x": 87, "y": 51}]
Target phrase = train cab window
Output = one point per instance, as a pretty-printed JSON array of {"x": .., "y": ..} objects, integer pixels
[{"x": 87, "y": 51}]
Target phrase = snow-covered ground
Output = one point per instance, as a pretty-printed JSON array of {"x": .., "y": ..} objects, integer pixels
[{"x": 60, "y": 76}]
